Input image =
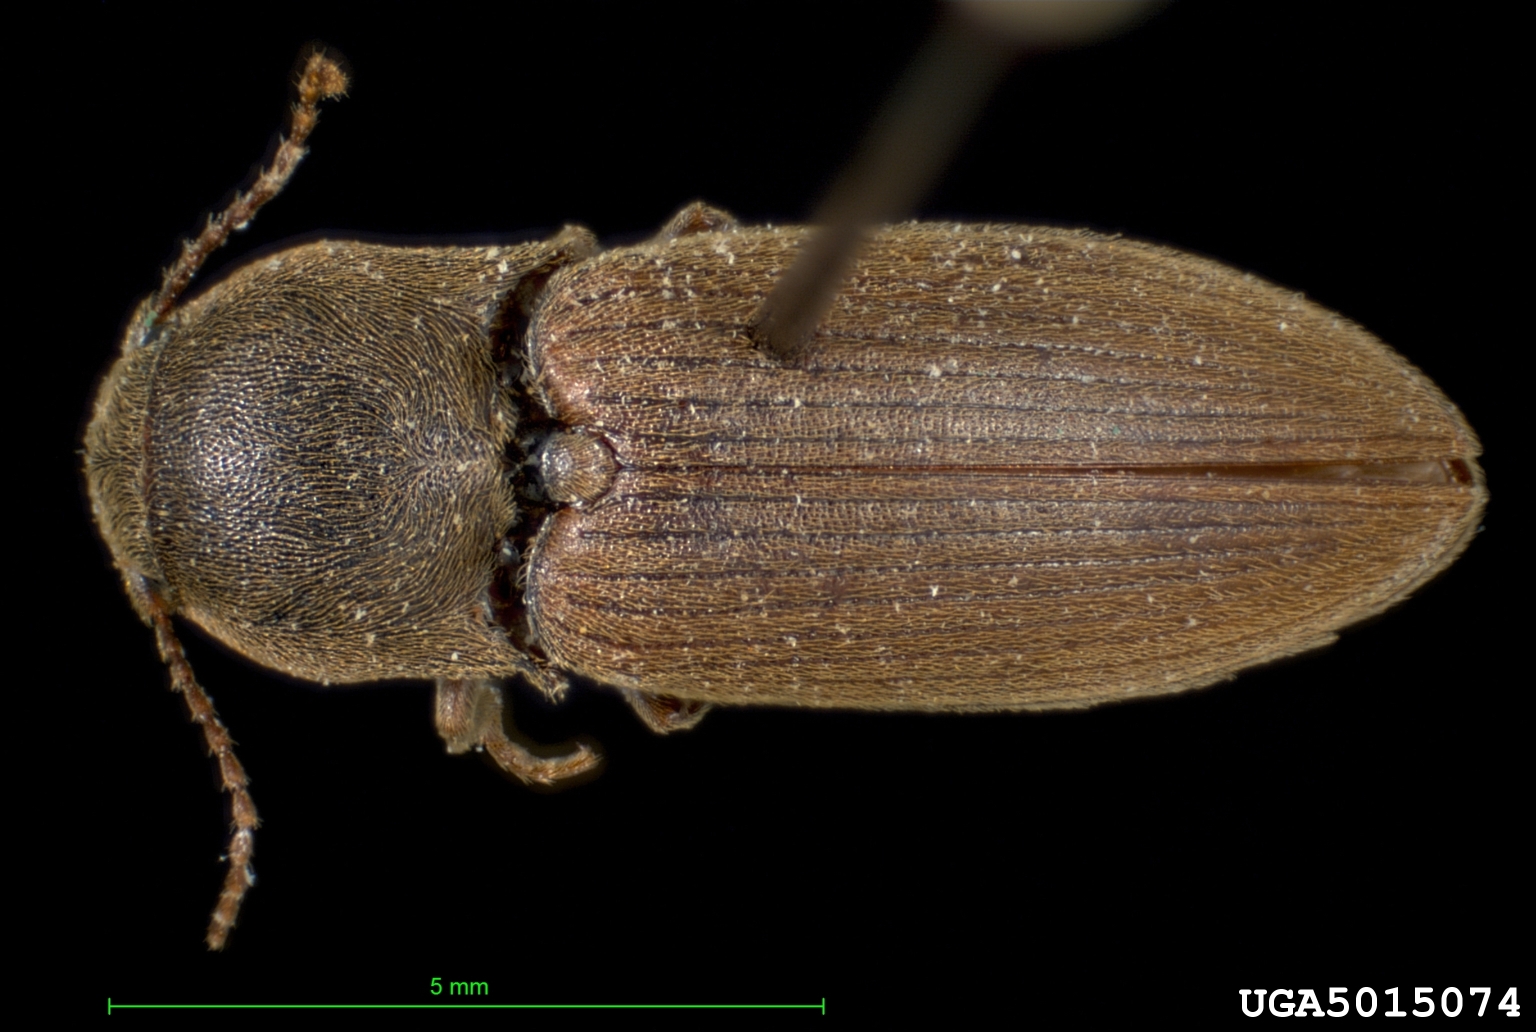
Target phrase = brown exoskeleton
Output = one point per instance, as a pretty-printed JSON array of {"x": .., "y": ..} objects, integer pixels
[{"x": 627, "y": 521}]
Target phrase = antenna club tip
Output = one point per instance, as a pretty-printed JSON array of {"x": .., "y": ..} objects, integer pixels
[{"x": 322, "y": 79}]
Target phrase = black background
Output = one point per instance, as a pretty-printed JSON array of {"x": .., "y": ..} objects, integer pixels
[{"x": 1347, "y": 818}]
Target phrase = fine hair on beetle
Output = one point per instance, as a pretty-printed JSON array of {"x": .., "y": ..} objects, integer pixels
[{"x": 353, "y": 462}]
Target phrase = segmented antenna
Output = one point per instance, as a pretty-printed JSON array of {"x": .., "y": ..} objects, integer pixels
[
  {"x": 321, "y": 79},
  {"x": 242, "y": 842}
]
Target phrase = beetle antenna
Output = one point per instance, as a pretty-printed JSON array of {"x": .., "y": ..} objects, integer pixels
[
  {"x": 321, "y": 79},
  {"x": 242, "y": 844}
]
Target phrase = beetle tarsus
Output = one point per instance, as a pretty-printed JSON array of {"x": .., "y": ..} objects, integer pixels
[
  {"x": 469, "y": 716},
  {"x": 522, "y": 764}
]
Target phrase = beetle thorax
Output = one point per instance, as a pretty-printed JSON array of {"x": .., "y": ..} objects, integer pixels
[{"x": 321, "y": 488}]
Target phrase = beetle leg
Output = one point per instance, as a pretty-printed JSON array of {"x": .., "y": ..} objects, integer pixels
[
  {"x": 696, "y": 217},
  {"x": 573, "y": 243},
  {"x": 242, "y": 844},
  {"x": 664, "y": 714},
  {"x": 550, "y": 682},
  {"x": 469, "y": 716}
]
